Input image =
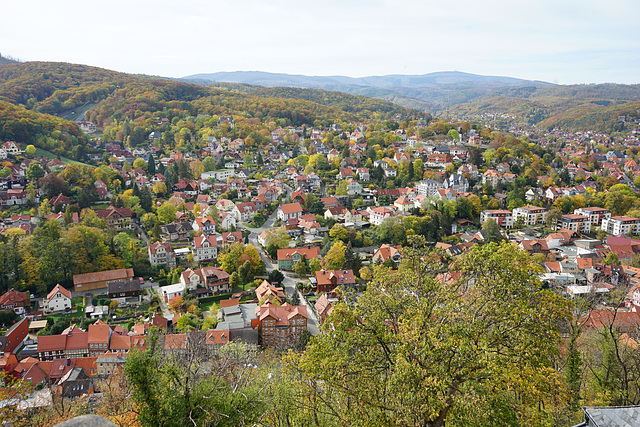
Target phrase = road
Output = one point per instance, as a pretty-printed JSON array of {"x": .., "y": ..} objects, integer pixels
[{"x": 289, "y": 282}]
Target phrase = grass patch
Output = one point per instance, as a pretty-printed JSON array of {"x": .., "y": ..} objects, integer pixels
[
  {"x": 207, "y": 306},
  {"x": 44, "y": 153}
]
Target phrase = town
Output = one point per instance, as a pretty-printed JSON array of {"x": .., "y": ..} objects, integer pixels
[{"x": 254, "y": 240}]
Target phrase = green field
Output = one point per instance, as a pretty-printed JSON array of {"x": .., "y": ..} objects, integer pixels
[{"x": 44, "y": 153}]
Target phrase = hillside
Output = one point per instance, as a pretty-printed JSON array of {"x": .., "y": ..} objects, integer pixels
[
  {"x": 470, "y": 96},
  {"x": 45, "y": 131},
  {"x": 121, "y": 102}
]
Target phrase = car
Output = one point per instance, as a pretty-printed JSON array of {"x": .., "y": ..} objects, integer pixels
[
  {"x": 151, "y": 279},
  {"x": 142, "y": 280}
]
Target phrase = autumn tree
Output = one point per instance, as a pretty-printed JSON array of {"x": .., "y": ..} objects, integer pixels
[
  {"x": 416, "y": 350},
  {"x": 335, "y": 258}
]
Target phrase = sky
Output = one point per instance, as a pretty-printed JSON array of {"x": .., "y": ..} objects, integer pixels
[{"x": 558, "y": 41}]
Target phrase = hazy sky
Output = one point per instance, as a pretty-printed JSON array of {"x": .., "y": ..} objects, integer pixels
[{"x": 561, "y": 41}]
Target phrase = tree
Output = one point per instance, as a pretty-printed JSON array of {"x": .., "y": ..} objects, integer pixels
[
  {"x": 30, "y": 151},
  {"x": 34, "y": 171},
  {"x": 338, "y": 232},
  {"x": 166, "y": 213},
  {"x": 314, "y": 265},
  {"x": 300, "y": 268},
  {"x": 365, "y": 273},
  {"x": 140, "y": 164},
  {"x": 234, "y": 281},
  {"x": 277, "y": 237},
  {"x": 335, "y": 258},
  {"x": 276, "y": 276},
  {"x": 416, "y": 350},
  {"x": 418, "y": 170},
  {"x": 552, "y": 218},
  {"x": 493, "y": 231},
  {"x": 295, "y": 298},
  {"x": 151, "y": 166},
  {"x": 611, "y": 259},
  {"x": 175, "y": 390}
]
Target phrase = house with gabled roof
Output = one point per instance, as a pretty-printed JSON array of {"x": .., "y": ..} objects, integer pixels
[
  {"x": 282, "y": 326},
  {"x": 288, "y": 257},
  {"x": 58, "y": 299},
  {"x": 289, "y": 210},
  {"x": 204, "y": 248}
]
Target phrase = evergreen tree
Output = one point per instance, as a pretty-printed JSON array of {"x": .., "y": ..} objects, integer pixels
[{"x": 151, "y": 166}]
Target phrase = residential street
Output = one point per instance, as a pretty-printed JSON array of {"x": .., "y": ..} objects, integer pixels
[{"x": 289, "y": 282}]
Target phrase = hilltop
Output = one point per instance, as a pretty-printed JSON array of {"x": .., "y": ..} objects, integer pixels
[{"x": 470, "y": 96}]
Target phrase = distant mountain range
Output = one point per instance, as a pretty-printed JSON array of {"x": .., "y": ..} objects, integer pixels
[
  {"x": 467, "y": 96},
  {"x": 431, "y": 92}
]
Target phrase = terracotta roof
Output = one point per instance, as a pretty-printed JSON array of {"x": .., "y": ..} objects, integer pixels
[
  {"x": 120, "y": 342},
  {"x": 100, "y": 276},
  {"x": 287, "y": 253},
  {"x": 288, "y": 208},
  {"x": 217, "y": 337},
  {"x": 282, "y": 314},
  {"x": 231, "y": 302},
  {"x": 13, "y": 297},
  {"x": 52, "y": 343},
  {"x": 57, "y": 289},
  {"x": 99, "y": 333},
  {"x": 77, "y": 340}
]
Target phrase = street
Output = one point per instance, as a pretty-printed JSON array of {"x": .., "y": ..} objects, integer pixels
[{"x": 288, "y": 282}]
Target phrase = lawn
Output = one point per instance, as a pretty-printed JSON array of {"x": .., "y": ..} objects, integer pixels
[{"x": 44, "y": 153}]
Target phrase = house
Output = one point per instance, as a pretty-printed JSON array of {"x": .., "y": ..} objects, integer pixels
[
  {"x": 386, "y": 252},
  {"x": 162, "y": 254},
  {"x": 98, "y": 338},
  {"x": 457, "y": 182},
  {"x": 328, "y": 280},
  {"x": 288, "y": 257},
  {"x": 229, "y": 238},
  {"x": 503, "y": 218},
  {"x": 616, "y": 225},
  {"x": 216, "y": 279},
  {"x": 428, "y": 187},
  {"x": 98, "y": 280},
  {"x": 439, "y": 160},
  {"x": 60, "y": 202},
  {"x": 353, "y": 188},
  {"x": 324, "y": 307},
  {"x": 247, "y": 211},
  {"x": 205, "y": 224},
  {"x": 266, "y": 290},
  {"x": 336, "y": 213},
  {"x": 126, "y": 291},
  {"x": 282, "y": 326},
  {"x": 491, "y": 177},
  {"x": 531, "y": 215},
  {"x": 618, "y": 416},
  {"x": 204, "y": 248},
  {"x": 116, "y": 218},
  {"x": 12, "y": 339},
  {"x": 379, "y": 214},
  {"x": 596, "y": 214},
  {"x": 403, "y": 204},
  {"x": 14, "y": 300},
  {"x": 58, "y": 299},
  {"x": 330, "y": 202},
  {"x": 179, "y": 230},
  {"x": 169, "y": 292},
  {"x": 573, "y": 222},
  {"x": 109, "y": 362},
  {"x": 363, "y": 174},
  {"x": 289, "y": 210}
]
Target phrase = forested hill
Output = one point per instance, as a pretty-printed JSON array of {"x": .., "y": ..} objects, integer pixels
[{"x": 110, "y": 97}]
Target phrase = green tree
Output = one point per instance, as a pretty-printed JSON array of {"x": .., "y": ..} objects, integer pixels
[
  {"x": 335, "y": 258},
  {"x": 492, "y": 231},
  {"x": 300, "y": 268},
  {"x": 166, "y": 213},
  {"x": 416, "y": 350},
  {"x": 234, "y": 281},
  {"x": 314, "y": 265},
  {"x": 30, "y": 151},
  {"x": 611, "y": 259},
  {"x": 140, "y": 164},
  {"x": 151, "y": 165}
]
